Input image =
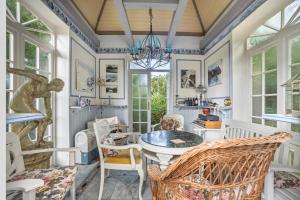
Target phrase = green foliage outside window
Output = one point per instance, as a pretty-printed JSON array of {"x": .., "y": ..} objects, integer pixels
[{"x": 158, "y": 97}]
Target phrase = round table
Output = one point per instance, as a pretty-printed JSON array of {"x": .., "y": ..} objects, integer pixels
[{"x": 164, "y": 146}]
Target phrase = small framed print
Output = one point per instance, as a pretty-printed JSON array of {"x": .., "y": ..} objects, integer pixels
[
  {"x": 112, "y": 72},
  {"x": 188, "y": 73}
]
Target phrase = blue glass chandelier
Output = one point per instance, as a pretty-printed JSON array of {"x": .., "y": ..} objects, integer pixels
[{"x": 149, "y": 54}]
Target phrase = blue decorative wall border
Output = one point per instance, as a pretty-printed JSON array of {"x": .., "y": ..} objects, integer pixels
[
  {"x": 67, "y": 20},
  {"x": 174, "y": 51}
]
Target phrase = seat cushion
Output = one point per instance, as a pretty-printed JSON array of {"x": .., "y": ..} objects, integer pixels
[
  {"x": 123, "y": 157},
  {"x": 285, "y": 180},
  {"x": 57, "y": 181}
]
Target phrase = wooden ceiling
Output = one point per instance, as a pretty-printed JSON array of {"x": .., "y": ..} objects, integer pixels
[{"x": 197, "y": 19}]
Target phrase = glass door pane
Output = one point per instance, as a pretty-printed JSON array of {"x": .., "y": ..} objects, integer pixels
[{"x": 140, "y": 102}]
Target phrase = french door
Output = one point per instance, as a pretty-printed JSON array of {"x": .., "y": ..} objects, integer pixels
[{"x": 140, "y": 100}]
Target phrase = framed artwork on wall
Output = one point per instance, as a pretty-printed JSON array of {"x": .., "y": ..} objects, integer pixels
[
  {"x": 83, "y": 71},
  {"x": 217, "y": 72},
  {"x": 112, "y": 76},
  {"x": 188, "y": 77}
]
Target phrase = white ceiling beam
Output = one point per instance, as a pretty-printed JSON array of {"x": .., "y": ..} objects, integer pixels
[
  {"x": 175, "y": 21},
  {"x": 124, "y": 20},
  {"x": 154, "y": 4}
]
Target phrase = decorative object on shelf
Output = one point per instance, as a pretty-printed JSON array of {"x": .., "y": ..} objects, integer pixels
[
  {"x": 112, "y": 76},
  {"x": 202, "y": 90},
  {"x": 81, "y": 102},
  {"x": 23, "y": 101},
  {"x": 83, "y": 71},
  {"x": 149, "y": 53},
  {"x": 188, "y": 73},
  {"x": 215, "y": 73},
  {"x": 292, "y": 89},
  {"x": 227, "y": 102},
  {"x": 101, "y": 82}
]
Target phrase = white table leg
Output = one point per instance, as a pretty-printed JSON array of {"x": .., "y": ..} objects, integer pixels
[{"x": 164, "y": 160}]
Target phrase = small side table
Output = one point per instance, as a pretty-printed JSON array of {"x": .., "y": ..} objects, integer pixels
[{"x": 209, "y": 134}]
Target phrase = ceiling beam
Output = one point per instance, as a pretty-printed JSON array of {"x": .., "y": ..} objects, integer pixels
[
  {"x": 199, "y": 17},
  {"x": 154, "y": 4},
  {"x": 124, "y": 20},
  {"x": 100, "y": 15},
  {"x": 175, "y": 21}
]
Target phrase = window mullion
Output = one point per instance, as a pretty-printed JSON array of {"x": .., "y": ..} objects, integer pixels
[{"x": 263, "y": 85}]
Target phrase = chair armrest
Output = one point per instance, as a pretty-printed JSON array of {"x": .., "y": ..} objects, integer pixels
[
  {"x": 278, "y": 167},
  {"x": 25, "y": 185},
  {"x": 123, "y": 147},
  {"x": 74, "y": 149},
  {"x": 154, "y": 172}
]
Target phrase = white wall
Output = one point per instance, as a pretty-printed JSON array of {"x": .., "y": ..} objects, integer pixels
[{"x": 2, "y": 101}]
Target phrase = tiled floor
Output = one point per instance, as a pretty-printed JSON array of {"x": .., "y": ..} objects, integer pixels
[{"x": 120, "y": 185}]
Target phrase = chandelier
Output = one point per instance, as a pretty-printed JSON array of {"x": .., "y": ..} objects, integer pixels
[{"x": 149, "y": 54}]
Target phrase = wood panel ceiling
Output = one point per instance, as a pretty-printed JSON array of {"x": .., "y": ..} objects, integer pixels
[{"x": 197, "y": 19}]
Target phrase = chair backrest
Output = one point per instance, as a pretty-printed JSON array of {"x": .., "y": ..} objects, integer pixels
[
  {"x": 177, "y": 117},
  {"x": 287, "y": 154},
  {"x": 233, "y": 167},
  {"x": 102, "y": 130},
  {"x": 14, "y": 159}
]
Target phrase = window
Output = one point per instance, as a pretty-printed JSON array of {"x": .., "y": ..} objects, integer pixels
[
  {"x": 288, "y": 16},
  {"x": 264, "y": 85},
  {"x": 10, "y": 63},
  {"x": 18, "y": 13},
  {"x": 295, "y": 69},
  {"x": 35, "y": 55}
]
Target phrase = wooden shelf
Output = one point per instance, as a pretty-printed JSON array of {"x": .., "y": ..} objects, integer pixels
[
  {"x": 23, "y": 117},
  {"x": 282, "y": 118}
]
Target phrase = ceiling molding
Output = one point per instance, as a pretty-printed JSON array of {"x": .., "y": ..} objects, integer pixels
[
  {"x": 81, "y": 13},
  {"x": 199, "y": 16},
  {"x": 67, "y": 13},
  {"x": 124, "y": 20},
  {"x": 154, "y": 4},
  {"x": 233, "y": 18},
  {"x": 100, "y": 15},
  {"x": 223, "y": 13},
  {"x": 175, "y": 21}
]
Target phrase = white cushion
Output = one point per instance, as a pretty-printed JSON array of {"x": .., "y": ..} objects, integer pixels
[{"x": 110, "y": 121}]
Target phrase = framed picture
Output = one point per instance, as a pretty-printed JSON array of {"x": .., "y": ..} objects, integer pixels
[
  {"x": 112, "y": 72},
  {"x": 215, "y": 73},
  {"x": 83, "y": 71},
  {"x": 188, "y": 73}
]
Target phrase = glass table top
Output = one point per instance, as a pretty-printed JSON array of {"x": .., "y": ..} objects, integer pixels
[{"x": 172, "y": 139}]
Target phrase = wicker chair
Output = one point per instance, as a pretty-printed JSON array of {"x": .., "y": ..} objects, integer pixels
[{"x": 230, "y": 169}]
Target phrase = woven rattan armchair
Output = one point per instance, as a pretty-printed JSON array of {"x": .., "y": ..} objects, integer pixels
[{"x": 220, "y": 170}]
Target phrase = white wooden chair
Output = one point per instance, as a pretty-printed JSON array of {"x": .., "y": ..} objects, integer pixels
[
  {"x": 31, "y": 183},
  {"x": 286, "y": 159},
  {"x": 177, "y": 117},
  {"x": 128, "y": 158}
]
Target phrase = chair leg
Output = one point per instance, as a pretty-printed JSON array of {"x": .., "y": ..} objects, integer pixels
[
  {"x": 102, "y": 175},
  {"x": 30, "y": 195},
  {"x": 269, "y": 186},
  {"x": 142, "y": 176},
  {"x": 73, "y": 191}
]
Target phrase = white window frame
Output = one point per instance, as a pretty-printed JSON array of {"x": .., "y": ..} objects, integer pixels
[
  {"x": 20, "y": 36},
  {"x": 262, "y": 51}
]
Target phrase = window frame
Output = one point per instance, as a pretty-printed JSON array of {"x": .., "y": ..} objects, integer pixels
[
  {"x": 20, "y": 36},
  {"x": 262, "y": 51}
]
